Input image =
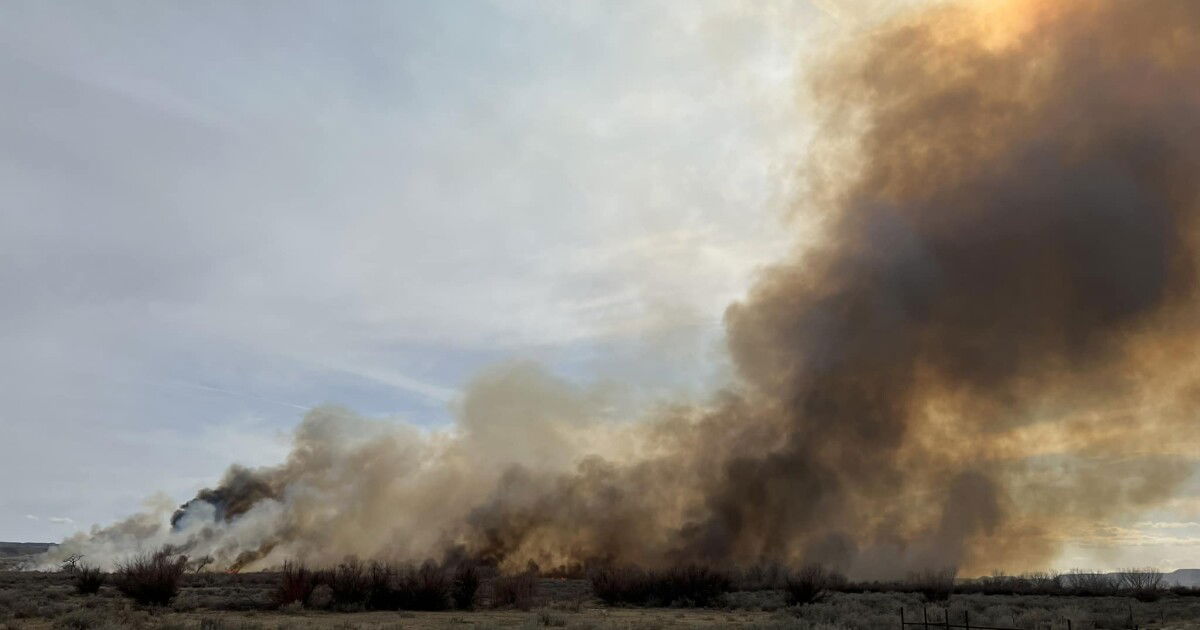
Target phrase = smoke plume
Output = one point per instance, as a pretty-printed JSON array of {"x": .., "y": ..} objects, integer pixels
[{"x": 987, "y": 351}]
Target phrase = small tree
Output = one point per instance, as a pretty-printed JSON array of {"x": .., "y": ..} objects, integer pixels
[
  {"x": 199, "y": 564},
  {"x": 71, "y": 563}
]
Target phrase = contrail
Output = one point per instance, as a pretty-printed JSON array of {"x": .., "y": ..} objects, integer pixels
[{"x": 228, "y": 392}]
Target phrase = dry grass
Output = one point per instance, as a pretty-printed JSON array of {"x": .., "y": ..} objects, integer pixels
[{"x": 37, "y": 601}]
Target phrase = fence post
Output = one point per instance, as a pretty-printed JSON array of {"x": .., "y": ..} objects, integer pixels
[
  {"x": 1068, "y": 624},
  {"x": 967, "y": 620},
  {"x": 925, "y": 614},
  {"x": 946, "y": 616},
  {"x": 902, "y": 626}
]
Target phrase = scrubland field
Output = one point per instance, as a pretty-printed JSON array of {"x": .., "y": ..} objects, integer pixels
[{"x": 215, "y": 601}]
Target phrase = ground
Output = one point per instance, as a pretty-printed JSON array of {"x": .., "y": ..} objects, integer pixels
[
  {"x": 30, "y": 600},
  {"x": 14, "y": 555}
]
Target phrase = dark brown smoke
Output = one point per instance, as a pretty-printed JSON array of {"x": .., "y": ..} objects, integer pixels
[
  {"x": 987, "y": 352},
  {"x": 240, "y": 490},
  {"x": 1011, "y": 228}
]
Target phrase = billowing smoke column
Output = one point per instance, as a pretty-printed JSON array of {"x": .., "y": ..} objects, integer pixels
[{"x": 989, "y": 350}]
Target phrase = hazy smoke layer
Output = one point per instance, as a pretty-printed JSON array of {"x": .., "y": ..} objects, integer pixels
[{"x": 989, "y": 350}]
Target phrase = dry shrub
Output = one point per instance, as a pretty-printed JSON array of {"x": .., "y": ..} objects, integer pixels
[
  {"x": 1035, "y": 583},
  {"x": 935, "y": 585},
  {"x": 382, "y": 593},
  {"x": 680, "y": 586},
  {"x": 424, "y": 588},
  {"x": 690, "y": 586},
  {"x": 378, "y": 586},
  {"x": 1144, "y": 584},
  {"x": 620, "y": 585},
  {"x": 465, "y": 586},
  {"x": 349, "y": 585},
  {"x": 1086, "y": 584},
  {"x": 763, "y": 577},
  {"x": 1185, "y": 591},
  {"x": 296, "y": 584},
  {"x": 88, "y": 580},
  {"x": 353, "y": 585},
  {"x": 1042, "y": 582},
  {"x": 810, "y": 584},
  {"x": 516, "y": 591},
  {"x": 151, "y": 579}
]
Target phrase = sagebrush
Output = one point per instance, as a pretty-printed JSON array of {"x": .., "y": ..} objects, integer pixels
[{"x": 151, "y": 579}]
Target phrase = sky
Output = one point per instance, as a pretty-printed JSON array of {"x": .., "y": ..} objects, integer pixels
[{"x": 216, "y": 216}]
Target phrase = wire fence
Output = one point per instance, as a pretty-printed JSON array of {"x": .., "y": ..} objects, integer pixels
[{"x": 945, "y": 623}]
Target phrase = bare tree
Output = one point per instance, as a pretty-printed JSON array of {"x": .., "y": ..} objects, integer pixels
[
  {"x": 199, "y": 563},
  {"x": 1145, "y": 584},
  {"x": 1080, "y": 582},
  {"x": 71, "y": 563}
]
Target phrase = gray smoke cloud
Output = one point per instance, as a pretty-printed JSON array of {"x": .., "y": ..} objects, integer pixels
[{"x": 987, "y": 349}]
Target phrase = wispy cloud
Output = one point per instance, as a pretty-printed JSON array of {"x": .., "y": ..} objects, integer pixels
[
  {"x": 1112, "y": 536},
  {"x": 1167, "y": 524},
  {"x": 230, "y": 392}
]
